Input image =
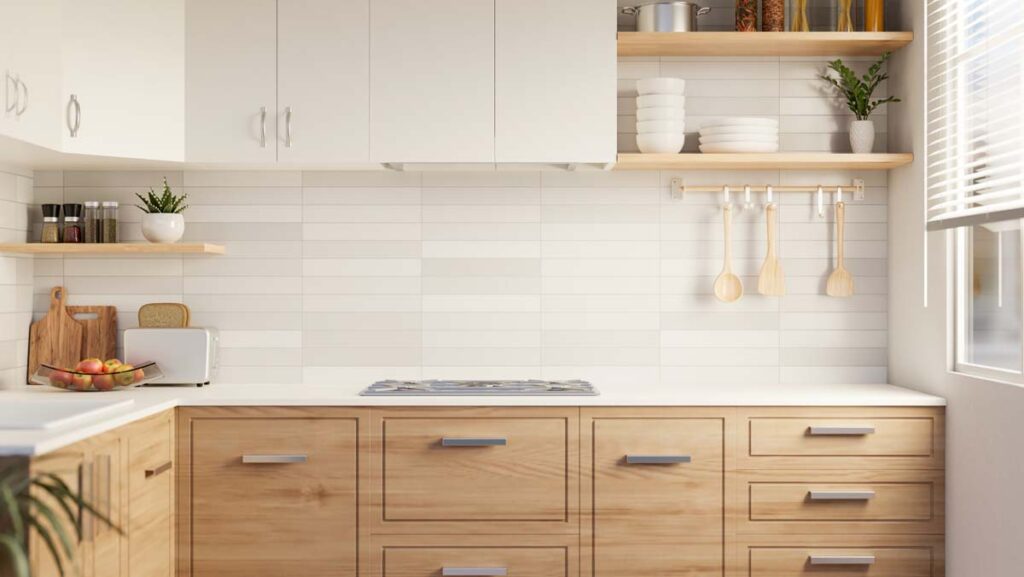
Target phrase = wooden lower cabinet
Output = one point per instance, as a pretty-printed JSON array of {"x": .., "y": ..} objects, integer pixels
[
  {"x": 150, "y": 487},
  {"x": 474, "y": 556},
  {"x": 69, "y": 464}
]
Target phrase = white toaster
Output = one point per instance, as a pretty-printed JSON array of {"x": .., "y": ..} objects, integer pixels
[{"x": 185, "y": 356}]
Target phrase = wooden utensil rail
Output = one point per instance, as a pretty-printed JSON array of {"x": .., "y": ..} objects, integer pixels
[{"x": 855, "y": 189}]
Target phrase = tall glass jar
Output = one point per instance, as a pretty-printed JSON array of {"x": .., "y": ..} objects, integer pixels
[
  {"x": 746, "y": 15},
  {"x": 845, "y": 21},
  {"x": 91, "y": 219},
  {"x": 874, "y": 15},
  {"x": 798, "y": 21},
  {"x": 51, "y": 223},
  {"x": 109, "y": 222},
  {"x": 773, "y": 15}
]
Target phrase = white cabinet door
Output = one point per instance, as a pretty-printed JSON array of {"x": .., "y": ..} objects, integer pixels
[
  {"x": 231, "y": 81},
  {"x": 323, "y": 81},
  {"x": 555, "y": 80},
  {"x": 123, "y": 61},
  {"x": 30, "y": 67},
  {"x": 432, "y": 80}
]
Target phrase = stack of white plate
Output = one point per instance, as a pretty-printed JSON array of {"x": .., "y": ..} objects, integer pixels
[
  {"x": 740, "y": 134},
  {"x": 660, "y": 114}
]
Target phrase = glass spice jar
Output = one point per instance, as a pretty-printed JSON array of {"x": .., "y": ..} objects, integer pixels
[
  {"x": 746, "y": 15},
  {"x": 72, "y": 224},
  {"x": 773, "y": 15},
  {"x": 874, "y": 15},
  {"x": 51, "y": 223},
  {"x": 91, "y": 219},
  {"x": 798, "y": 21},
  {"x": 845, "y": 21},
  {"x": 109, "y": 222}
]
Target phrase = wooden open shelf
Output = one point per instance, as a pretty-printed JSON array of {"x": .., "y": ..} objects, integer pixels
[
  {"x": 761, "y": 43},
  {"x": 112, "y": 249},
  {"x": 772, "y": 161}
]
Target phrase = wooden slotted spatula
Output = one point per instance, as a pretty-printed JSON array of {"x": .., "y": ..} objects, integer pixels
[
  {"x": 728, "y": 287},
  {"x": 771, "y": 282},
  {"x": 840, "y": 282}
]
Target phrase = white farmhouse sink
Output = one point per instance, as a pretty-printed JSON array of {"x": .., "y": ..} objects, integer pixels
[{"x": 51, "y": 413}]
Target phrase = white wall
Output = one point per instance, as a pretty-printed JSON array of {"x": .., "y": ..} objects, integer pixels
[
  {"x": 15, "y": 274},
  {"x": 985, "y": 420}
]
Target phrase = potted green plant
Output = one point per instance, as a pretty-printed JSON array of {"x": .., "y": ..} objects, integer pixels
[
  {"x": 163, "y": 221},
  {"x": 857, "y": 91},
  {"x": 44, "y": 504}
]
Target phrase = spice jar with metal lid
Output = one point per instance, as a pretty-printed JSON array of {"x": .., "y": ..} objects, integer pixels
[
  {"x": 91, "y": 219},
  {"x": 109, "y": 222},
  {"x": 51, "y": 223},
  {"x": 73, "y": 223}
]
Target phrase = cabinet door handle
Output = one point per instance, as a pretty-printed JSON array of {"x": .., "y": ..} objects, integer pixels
[
  {"x": 842, "y": 559},
  {"x": 22, "y": 100},
  {"x": 841, "y": 495},
  {"x": 73, "y": 126},
  {"x": 473, "y": 442},
  {"x": 273, "y": 459},
  {"x": 288, "y": 127},
  {"x": 474, "y": 572},
  {"x": 11, "y": 104},
  {"x": 159, "y": 470},
  {"x": 842, "y": 431},
  {"x": 263, "y": 126},
  {"x": 657, "y": 459}
]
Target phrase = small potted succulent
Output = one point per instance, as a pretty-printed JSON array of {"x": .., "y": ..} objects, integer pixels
[
  {"x": 162, "y": 221},
  {"x": 857, "y": 91}
]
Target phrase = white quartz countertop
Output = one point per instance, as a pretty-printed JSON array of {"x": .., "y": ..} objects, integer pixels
[{"x": 152, "y": 400}]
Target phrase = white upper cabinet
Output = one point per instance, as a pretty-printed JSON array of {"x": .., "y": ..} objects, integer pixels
[
  {"x": 432, "y": 80},
  {"x": 123, "y": 78},
  {"x": 30, "y": 68},
  {"x": 555, "y": 81},
  {"x": 231, "y": 81},
  {"x": 323, "y": 78}
]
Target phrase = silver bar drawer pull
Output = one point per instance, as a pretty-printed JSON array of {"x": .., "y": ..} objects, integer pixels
[
  {"x": 841, "y": 495},
  {"x": 657, "y": 459},
  {"x": 843, "y": 431},
  {"x": 842, "y": 559},
  {"x": 474, "y": 442},
  {"x": 474, "y": 572},
  {"x": 273, "y": 459}
]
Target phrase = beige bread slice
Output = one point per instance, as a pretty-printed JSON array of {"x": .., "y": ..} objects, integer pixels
[{"x": 164, "y": 316}]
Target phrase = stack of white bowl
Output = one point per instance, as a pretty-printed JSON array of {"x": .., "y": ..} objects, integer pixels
[
  {"x": 660, "y": 115},
  {"x": 740, "y": 134}
]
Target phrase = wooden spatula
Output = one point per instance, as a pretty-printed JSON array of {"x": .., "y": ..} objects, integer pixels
[
  {"x": 728, "y": 287},
  {"x": 771, "y": 282},
  {"x": 840, "y": 282}
]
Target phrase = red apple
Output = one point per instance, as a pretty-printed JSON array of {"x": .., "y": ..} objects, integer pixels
[
  {"x": 60, "y": 379},
  {"x": 103, "y": 382},
  {"x": 91, "y": 366},
  {"x": 138, "y": 375},
  {"x": 111, "y": 365},
  {"x": 125, "y": 375},
  {"x": 81, "y": 382}
]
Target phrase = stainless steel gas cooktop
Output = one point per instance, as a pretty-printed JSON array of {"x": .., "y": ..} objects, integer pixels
[{"x": 467, "y": 388}]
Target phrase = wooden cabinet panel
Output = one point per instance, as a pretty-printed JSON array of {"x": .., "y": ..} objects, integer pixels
[
  {"x": 273, "y": 496},
  {"x": 70, "y": 465},
  {"x": 655, "y": 519},
  {"x": 521, "y": 476},
  {"x": 151, "y": 497},
  {"x": 107, "y": 469}
]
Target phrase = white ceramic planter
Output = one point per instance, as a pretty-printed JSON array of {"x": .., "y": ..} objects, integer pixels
[
  {"x": 862, "y": 136},
  {"x": 163, "y": 228}
]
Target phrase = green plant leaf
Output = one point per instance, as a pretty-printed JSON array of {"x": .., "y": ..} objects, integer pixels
[{"x": 13, "y": 508}]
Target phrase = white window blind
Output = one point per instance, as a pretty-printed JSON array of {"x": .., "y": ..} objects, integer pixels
[{"x": 975, "y": 107}]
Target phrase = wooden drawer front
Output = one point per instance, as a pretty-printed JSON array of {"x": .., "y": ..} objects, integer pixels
[
  {"x": 829, "y": 437},
  {"x": 840, "y": 501},
  {"x": 475, "y": 562},
  {"x": 261, "y": 518},
  {"x": 657, "y": 519},
  {"x": 518, "y": 470},
  {"x": 150, "y": 499},
  {"x": 814, "y": 561}
]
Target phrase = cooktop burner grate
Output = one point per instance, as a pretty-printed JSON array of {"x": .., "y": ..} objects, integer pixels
[{"x": 482, "y": 388}]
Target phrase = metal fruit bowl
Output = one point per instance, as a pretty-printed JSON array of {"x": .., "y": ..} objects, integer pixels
[{"x": 89, "y": 382}]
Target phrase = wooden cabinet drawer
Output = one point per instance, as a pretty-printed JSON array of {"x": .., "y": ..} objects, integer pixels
[
  {"x": 842, "y": 562},
  {"x": 499, "y": 471},
  {"x": 881, "y": 438},
  {"x": 475, "y": 561}
]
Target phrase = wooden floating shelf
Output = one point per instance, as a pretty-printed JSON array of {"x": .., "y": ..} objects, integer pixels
[
  {"x": 772, "y": 161},
  {"x": 761, "y": 43},
  {"x": 112, "y": 249}
]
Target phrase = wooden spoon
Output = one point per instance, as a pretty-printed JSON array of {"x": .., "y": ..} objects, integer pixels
[
  {"x": 840, "y": 282},
  {"x": 728, "y": 287},
  {"x": 771, "y": 282}
]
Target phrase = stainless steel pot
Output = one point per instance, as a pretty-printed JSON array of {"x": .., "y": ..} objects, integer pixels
[{"x": 666, "y": 16}]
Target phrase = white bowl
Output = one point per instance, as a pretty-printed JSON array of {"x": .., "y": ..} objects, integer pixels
[
  {"x": 662, "y": 85},
  {"x": 740, "y": 147},
  {"x": 649, "y": 126},
  {"x": 716, "y": 130},
  {"x": 671, "y": 100},
  {"x": 660, "y": 113},
  {"x": 660, "y": 142},
  {"x": 742, "y": 121},
  {"x": 738, "y": 137}
]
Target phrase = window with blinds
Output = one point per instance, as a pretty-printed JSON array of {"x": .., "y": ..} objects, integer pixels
[{"x": 975, "y": 108}]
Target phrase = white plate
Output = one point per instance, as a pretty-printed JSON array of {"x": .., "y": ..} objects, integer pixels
[
  {"x": 670, "y": 100},
  {"x": 738, "y": 137},
  {"x": 717, "y": 130},
  {"x": 660, "y": 113},
  {"x": 741, "y": 121},
  {"x": 740, "y": 147},
  {"x": 660, "y": 142},
  {"x": 648, "y": 126},
  {"x": 662, "y": 85}
]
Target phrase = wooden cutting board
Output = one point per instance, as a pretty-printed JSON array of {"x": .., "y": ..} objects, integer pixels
[
  {"x": 99, "y": 339},
  {"x": 56, "y": 339}
]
